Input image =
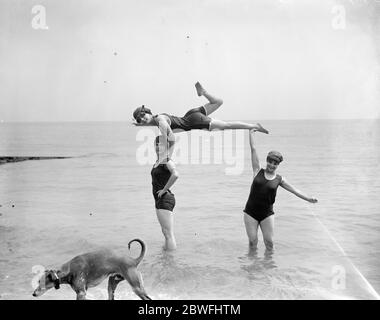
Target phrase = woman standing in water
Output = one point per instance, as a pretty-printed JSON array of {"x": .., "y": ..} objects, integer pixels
[
  {"x": 197, "y": 118},
  {"x": 164, "y": 175},
  {"x": 259, "y": 207}
]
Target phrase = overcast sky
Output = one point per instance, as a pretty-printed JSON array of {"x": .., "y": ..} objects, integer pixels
[{"x": 269, "y": 59}]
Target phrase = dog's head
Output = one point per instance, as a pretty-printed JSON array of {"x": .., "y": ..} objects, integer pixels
[{"x": 47, "y": 281}]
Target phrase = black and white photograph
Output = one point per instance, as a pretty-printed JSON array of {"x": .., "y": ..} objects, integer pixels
[{"x": 197, "y": 150}]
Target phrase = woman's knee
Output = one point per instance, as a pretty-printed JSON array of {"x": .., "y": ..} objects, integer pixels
[
  {"x": 252, "y": 236},
  {"x": 252, "y": 241},
  {"x": 219, "y": 102},
  {"x": 167, "y": 231},
  {"x": 218, "y": 124},
  {"x": 269, "y": 243}
]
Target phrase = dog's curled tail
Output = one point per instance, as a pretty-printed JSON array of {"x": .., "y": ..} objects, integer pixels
[{"x": 143, "y": 249}]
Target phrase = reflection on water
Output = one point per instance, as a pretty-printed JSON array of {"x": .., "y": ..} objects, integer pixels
[
  {"x": 256, "y": 267},
  {"x": 269, "y": 281},
  {"x": 165, "y": 267}
]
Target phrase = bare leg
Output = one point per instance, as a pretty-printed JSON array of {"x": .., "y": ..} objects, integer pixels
[
  {"x": 267, "y": 228},
  {"x": 251, "y": 226},
  {"x": 166, "y": 220},
  {"x": 135, "y": 280},
  {"x": 113, "y": 281},
  {"x": 214, "y": 103},
  {"x": 223, "y": 125},
  {"x": 79, "y": 286},
  {"x": 81, "y": 294}
]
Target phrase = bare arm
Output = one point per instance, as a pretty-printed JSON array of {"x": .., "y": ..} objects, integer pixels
[
  {"x": 254, "y": 157},
  {"x": 172, "y": 179},
  {"x": 287, "y": 186},
  {"x": 165, "y": 129},
  {"x": 134, "y": 122}
]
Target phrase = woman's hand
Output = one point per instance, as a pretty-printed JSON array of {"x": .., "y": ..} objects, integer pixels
[
  {"x": 134, "y": 122},
  {"x": 312, "y": 200},
  {"x": 160, "y": 193}
]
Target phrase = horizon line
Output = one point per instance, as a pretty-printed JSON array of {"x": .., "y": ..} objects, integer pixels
[{"x": 127, "y": 121}]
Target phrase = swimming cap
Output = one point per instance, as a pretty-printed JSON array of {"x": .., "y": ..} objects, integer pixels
[
  {"x": 140, "y": 111},
  {"x": 275, "y": 155}
]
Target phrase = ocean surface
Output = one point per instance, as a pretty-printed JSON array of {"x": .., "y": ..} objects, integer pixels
[{"x": 53, "y": 210}]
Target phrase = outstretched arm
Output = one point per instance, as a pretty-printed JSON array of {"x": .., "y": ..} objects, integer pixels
[
  {"x": 172, "y": 179},
  {"x": 287, "y": 186},
  {"x": 134, "y": 122},
  {"x": 254, "y": 157}
]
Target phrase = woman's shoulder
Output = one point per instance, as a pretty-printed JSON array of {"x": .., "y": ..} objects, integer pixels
[
  {"x": 169, "y": 162},
  {"x": 260, "y": 170},
  {"x": 257, "y": 172},
  {"x": 164, "y": 163},
  {"x": 162, "y": 117}
]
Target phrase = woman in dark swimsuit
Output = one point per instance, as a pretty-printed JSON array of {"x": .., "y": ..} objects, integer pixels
[
  {"x": 197, "y": 118},
  {"x": 259, "y": 207},
  {"x": 164, "y": 175}
]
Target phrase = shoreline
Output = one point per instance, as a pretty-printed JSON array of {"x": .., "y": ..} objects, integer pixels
[{"x": 4, "y": 160}]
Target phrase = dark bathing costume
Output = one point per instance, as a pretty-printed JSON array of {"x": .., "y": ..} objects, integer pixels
[
  {"x": 262, "y": 196},
  {"x": 160, "y": 176},
  {"x": 194, "y": 119}
]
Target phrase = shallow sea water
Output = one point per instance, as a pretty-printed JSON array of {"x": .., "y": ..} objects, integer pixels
[{"x": 53, "y": 210}]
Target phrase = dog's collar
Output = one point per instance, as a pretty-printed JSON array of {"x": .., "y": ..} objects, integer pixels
[
  {"x": 63, "y": 278},
  {"x": 56, "y": 280}
]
